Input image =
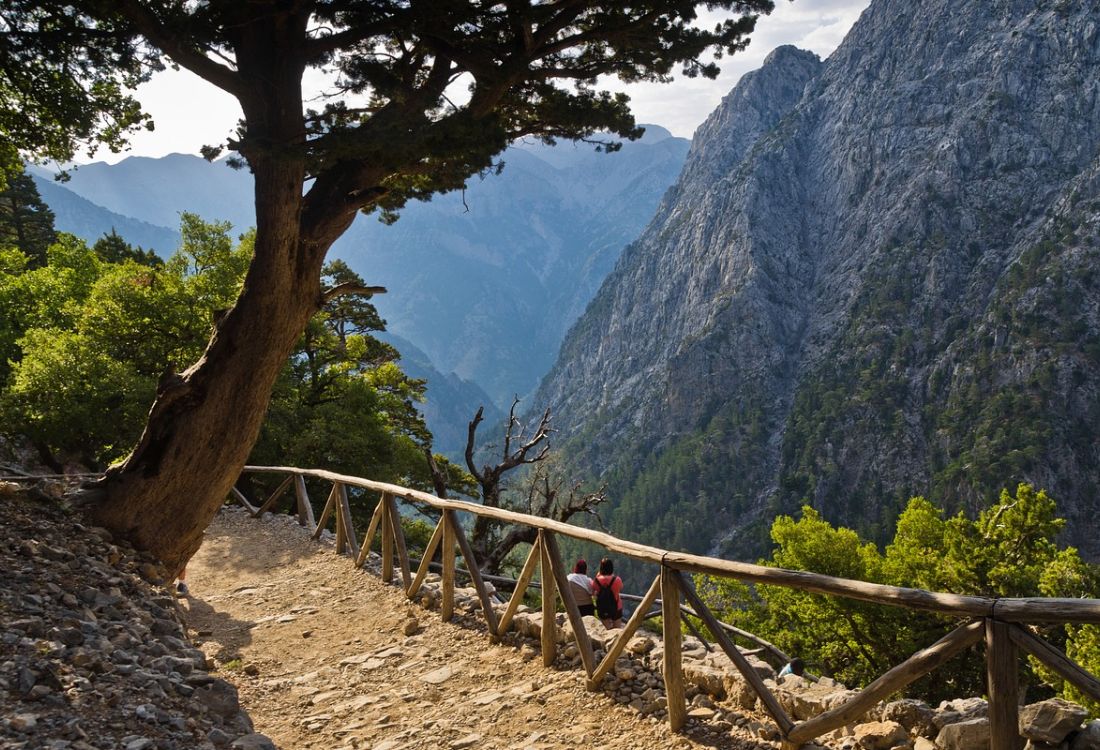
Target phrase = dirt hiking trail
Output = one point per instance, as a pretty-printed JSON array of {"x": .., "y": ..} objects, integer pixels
[{"x": 319, "y": 653}]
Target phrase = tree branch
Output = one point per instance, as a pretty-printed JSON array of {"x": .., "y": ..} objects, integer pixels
[
  {"x": 438, "y": 480},
  {"x": 471, "y": 437},
  {"x": 349, "y": 287},
  {"x": 172, "y": 45}
]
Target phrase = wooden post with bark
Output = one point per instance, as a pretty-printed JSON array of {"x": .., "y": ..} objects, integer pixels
[
  {"x": 549, "y": 598},
  {"x": 1002, "y": 687},
  {"x": 672, "y": 663},
  {"x": 305, "y": 509}
]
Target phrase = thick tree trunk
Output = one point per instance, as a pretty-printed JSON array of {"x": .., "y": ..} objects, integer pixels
[{"x": 205, "y": 421}]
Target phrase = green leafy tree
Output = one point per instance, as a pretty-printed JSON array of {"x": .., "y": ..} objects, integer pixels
[
  {"x": 43, "y": 297},
  {"x": 64, "y": 74},
  {"x": 1010, "y": 550},
  {"x": 26, "y": 222},
  {"x": 90, "y": 338},
  {"x": 411, "y": 131},
  {"x": 62, "y": 389},
  {"x": 96, "y": 337}
]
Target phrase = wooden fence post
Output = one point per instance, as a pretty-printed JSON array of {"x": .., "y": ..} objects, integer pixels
[
  {"x": 1056, "y": 660},
  {"x": 447, "y": 607},
  {"x": 549, "y": 597},
  {"x": 240, "y": 498},
  {"x": 398, "y": 539},
  {"x": 672, "y": 662},
  {"x": 751, "y": 677},
  {"x": 475, "y": 573},
  {"x": 351, "y": 544},
  {"x": 305, "y": 510},
  {"x": 387, "y": 540},
  {"x": 524, "y": 580},
  {"x": 1002, "y": 685},
  {"x": 426, "y": 559},
  {"x": 330, "y": 504},
  {"x": 271, "y": 500},
  {"x": 625, "y": 635},
  {"x": 338, "y": 512},
  {"x": 372, "y": 528},
  {"x": 894, "y": 680},
  {"x": 561, "y": 580}
]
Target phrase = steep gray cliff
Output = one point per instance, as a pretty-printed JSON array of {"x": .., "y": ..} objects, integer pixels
[{"x": 877, "y": 277}]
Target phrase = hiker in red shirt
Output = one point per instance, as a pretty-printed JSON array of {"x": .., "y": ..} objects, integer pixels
[{"x": 609, "y": 607}]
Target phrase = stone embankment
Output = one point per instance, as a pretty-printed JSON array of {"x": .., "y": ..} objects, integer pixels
[{"x": 93, "y": 655}]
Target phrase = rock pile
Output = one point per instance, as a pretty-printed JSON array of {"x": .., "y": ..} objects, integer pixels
[
  {"x": 92, "y": 651},
  {"x": 720, "y": 697}
]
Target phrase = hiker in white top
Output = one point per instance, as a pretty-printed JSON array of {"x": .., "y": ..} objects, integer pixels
[{"x": 583, "y": 588}]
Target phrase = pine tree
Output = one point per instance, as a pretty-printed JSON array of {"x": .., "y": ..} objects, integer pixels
[
  {"x": 112, "y": 248},
  {"x": 26, "y": 222}
]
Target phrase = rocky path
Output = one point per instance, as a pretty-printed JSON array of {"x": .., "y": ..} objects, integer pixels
[{"x": 327, "y": 656}]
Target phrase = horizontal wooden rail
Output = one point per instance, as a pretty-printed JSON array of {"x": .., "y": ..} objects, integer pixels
[
  {"x": 996, "y": 619},
  {"x": 1008, "y": 610}
]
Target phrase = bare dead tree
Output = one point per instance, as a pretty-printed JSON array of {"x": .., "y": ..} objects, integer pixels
[
  {"x": 543, "y": 495},
  {"x": 439, "y": 480}
]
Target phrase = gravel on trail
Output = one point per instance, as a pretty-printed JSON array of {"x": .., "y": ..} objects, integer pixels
[
  {"x": 281, "y": 643},
  {"x": 328, "y": 656}
]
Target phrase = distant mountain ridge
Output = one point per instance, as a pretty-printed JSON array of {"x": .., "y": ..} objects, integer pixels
[
  {"x": 878, "y": 276},
  {"x": 488, "y": 281},
  {"x": 85, "y": 219},
  {"x": 156, "y": 190},
  {"x": 483, "y": 283}
]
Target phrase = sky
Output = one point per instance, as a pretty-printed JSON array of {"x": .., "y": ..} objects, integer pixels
[{"x": 190, "y": 113}]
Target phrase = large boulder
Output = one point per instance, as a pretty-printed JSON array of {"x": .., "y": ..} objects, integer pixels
[
  {"x": 805, "y": 700},
  {"x": 1088, "y": 738},
  {"x": 972, "y": 734},
  {"x": 961, "y": 709},
  {"x": 1051, "y": 721},
  {"x": 916, "y": 716},
  {"x": 881, "y": 735},
  {"x": 709, "y": 679}
]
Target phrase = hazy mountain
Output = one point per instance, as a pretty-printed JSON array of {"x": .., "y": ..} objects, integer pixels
[
  {"x": 878, "y": 276},
  {"x": 156, "y": 190},
  {"x": 451, "y": 402},
  {"x": 488, "y": 281},
  {"x": 85, "y": 219},
  {"x": 484, "y": 284}
]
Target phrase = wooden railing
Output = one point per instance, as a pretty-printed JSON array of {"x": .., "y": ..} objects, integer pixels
[{"x": 1000, "y": 622}]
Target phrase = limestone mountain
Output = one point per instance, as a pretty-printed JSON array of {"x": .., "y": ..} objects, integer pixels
[{"x": 878, "y": 276}]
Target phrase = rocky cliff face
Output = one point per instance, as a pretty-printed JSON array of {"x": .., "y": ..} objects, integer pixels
[{"x": 877, "y": 277}]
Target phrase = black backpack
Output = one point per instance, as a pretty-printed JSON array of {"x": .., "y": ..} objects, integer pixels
[{"x": 606, "y": 606}]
